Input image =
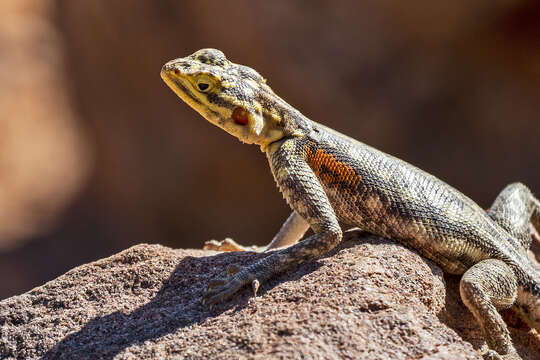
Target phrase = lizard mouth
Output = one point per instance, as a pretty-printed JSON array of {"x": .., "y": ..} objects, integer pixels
[
  {"x": 172, "y": 79},
  {"x": 178, "y": 86}
]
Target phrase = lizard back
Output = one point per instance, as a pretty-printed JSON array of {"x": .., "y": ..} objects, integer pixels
[{"x": 389, "y": 197}]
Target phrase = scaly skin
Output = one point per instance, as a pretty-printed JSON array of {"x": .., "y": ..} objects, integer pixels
[{"x": 328, "y": 178}]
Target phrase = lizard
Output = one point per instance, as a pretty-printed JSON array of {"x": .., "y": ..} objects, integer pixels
[{"x": 329, "y": 179}]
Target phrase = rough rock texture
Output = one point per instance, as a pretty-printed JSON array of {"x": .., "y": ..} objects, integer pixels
[{"x": 370, "y": 299}]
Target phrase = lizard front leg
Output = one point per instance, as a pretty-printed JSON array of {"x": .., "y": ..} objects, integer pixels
[
  {"x": 305, "y": 195},
  {"x": 291, "y": 231}
]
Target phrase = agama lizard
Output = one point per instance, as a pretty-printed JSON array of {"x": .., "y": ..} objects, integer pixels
[{"x": 328, "y": 178}]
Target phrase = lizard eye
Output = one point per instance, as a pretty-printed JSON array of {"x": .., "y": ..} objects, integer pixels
[
  {"x": 204, "y": 83},
  {"x": 203, "y": 86}
]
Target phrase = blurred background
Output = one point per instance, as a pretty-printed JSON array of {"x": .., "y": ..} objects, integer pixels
[{"x": 97, "y": 154}]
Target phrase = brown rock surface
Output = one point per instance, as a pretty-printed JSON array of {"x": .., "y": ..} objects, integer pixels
[{"x": 370, "y": 299}]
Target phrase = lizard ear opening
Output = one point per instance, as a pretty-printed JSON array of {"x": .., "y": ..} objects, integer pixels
[{"x": 243, "y": 116}]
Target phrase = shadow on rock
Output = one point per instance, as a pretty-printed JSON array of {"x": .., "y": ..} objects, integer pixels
[{"x": 176, "y": 305}]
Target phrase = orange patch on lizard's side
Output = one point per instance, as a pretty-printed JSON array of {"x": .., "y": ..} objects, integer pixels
[{"x": 329, "y": 170}]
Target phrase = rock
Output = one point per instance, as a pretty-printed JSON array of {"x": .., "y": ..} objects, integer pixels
[{"x": 370, "y": 299}]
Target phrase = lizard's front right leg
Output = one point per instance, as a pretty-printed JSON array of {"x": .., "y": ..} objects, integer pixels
[{"x": 306, "y": 196}]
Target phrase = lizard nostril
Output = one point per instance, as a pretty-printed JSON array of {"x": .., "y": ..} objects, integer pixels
[{"x": 176, "y": 71}]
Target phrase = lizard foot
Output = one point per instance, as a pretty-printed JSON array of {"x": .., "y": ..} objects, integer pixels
[
  {"x": 493, "y": 355},
  {"x": 222, "y": 289},
  {"x": 227, "y": 245}
]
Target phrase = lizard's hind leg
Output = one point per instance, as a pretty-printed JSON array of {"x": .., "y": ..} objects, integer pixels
[
  {"x": 485, "y": 288},
  {"x": 517, "y": 211}
]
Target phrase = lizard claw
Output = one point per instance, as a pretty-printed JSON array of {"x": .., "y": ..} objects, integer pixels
[
  {"x": 255, "y": 284},
  {"x": 223, "y": 288}
]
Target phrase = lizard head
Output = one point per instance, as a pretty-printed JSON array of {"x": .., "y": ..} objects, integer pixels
[{"x": 231, "y": 96}]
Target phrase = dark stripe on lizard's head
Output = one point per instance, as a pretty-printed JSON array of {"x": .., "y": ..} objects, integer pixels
[{"x": 216, "y": 99}]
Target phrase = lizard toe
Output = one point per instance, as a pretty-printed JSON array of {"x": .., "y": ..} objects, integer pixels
[
  {"x": 255, "y": 284},
  {"x": 221, "y": 292},
  {"x": 216, "y": 282},
  {"x": 226, "y": 245}
]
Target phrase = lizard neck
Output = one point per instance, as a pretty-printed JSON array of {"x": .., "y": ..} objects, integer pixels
[{"x": 280, "y": 118}]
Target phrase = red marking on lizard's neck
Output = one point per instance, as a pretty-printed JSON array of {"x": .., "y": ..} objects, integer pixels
[{"x": 240, "y": 116}]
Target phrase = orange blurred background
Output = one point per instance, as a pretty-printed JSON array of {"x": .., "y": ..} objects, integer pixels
[{"x": 97, "y": 154}]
